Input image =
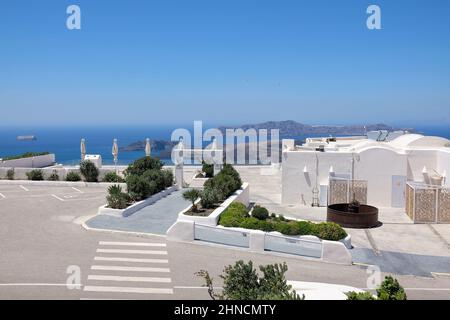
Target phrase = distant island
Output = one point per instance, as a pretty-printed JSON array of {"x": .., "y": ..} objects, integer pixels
[
  {"x": 291, "y": 129},
  {"x": 287, "y": 129}
]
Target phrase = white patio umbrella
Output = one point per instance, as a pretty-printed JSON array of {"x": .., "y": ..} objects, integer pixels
[
  {"x": 83, "y": 149},
  {"x": 148, "y": 147},
  {"x": 115, "y": 153}
]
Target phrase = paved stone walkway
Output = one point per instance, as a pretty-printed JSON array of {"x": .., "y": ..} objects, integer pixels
[{"x": 156, "y": 218}]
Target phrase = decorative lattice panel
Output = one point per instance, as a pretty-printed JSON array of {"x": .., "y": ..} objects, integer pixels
[
  {"x": 444, "y": 206},
  {"x": 425, "y": 205},
  {"x": 359, "y": 188},
  {"x": 338, "y": 191},
  {"x": 410, "y": 202}
]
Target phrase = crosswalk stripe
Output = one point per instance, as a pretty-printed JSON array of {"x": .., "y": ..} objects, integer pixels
[
  {"x": 134, "y": 269},
  {"x": 137, "y": 244},
  {"x": 132, "y": 251},
  {"x": 118, "y": 259},
  {"x": 129, "y": 279},
  {"x": 128, "y": 289}
]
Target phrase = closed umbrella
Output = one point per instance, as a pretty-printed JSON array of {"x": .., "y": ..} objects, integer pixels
[
  {"x": 115, "y": 152},
  {"x": 148, "y": 148},
  {"x": 83, "y": 149}
]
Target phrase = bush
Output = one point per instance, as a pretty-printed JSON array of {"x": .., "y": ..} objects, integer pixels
[
  {"x": 209, "y": 198},
  {"x": 233, "y": 215},
  {"x": 168, "y": 177},
  {"x": 304, "y": 227},
  {"x": 157, "y": 177},
  {"x": 208, "y": 169},
  {"x": 73, "y": 176},
  {"x": 242, "y": 282},
  {"x": 228, "y": 170},
  {"x": 260, "y": 213},
  {"x": 329, "y": 231},
  {"x": 256, "y": 224},
  {"x": 54, "y": 176},
  {"x": 390, "y": 289},
  {"x": 116, "y": 198},
  {"x": 287, "y": 228},
  {"x": 89, "y": 171},
  {"x": 10, "y": 174},
  {"x": 352, "y": 295},
  {"x": 112, "y": 177},
  {"x": 141, "y": 165},
  {"x": 139, "y": 187},
  {"x": 35, "y": 175}
]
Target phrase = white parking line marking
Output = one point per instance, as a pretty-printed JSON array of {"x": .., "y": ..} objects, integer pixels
[
  {"x": 39, "y": 284},
  {"x": 134, "y": 269},
  {"x": 77, "y": 190},
  {"x": 132, "y": 251},
  {"x": 128, "y": 279},
  {"x": 128, "y": 289},
  {"x": 137, "y": 244},
  {"x": 24, "y": 188},
  {"x": 56, "y": 197},
  {"x": 2, "y": 195},
  {"x": 131, "y": 260}
]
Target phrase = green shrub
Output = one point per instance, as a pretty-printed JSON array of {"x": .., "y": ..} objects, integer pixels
[
  {"x": 352, "y": 295},
  {"x": 140, "y": 187},
  {"x": 35, "y": 175},
  {"x": 141, "y": 165},
  {"x": 168, "y": 177},
  {"x": 112, "y": 177},
  {"x": 73, "y": 176},
  {"x": 288, "y": 228},
  {"x": 256, "y": 224},
  {"x": 116, "y": 198},
  {"x": 329, "y": 231},
  {"x": 54, "y": 176},
  {"x": 304, "y": 227},
  {"x": 208, "y": 169},
  {"x": 10, "y": 174},
  {"x": 89, "y": 171},
  {"x": 209, "y": 198},
  {"x": 242, "y": 282},
  {"x": 233, "y": 215},
  {"x": 157, "y": 177},
  {"x": 228, "y": 169},
  {"x": 390, "y": 289},
  {"x": 260, "y": 213}
]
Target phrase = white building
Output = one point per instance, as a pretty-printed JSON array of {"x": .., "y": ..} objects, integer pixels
[{"x": 384, "y": 166}]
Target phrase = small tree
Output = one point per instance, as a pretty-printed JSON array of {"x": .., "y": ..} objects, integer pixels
[
  {"x": 116, "y": 198},
  {"x": 192, "y": 196},
  {"x": 89, "y": 171},
  {"x": 10, "y": 174},
  {"x": 241, "y": 282},
  {"x": 390, "y": 289}
]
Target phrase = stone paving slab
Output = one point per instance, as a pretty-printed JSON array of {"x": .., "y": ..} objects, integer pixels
[{"x": 156, "y": 218}]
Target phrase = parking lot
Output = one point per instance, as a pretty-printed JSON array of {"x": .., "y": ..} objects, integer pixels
[{"x": 41, "y": 239}]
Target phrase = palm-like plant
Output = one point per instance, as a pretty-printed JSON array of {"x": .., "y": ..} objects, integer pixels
[{"x": 192, "y": 195}]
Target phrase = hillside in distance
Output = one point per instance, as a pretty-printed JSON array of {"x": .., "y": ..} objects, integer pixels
[{"x": 290, "y": 128}]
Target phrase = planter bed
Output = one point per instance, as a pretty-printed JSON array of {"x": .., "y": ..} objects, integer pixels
[
  {"x": 47, "y": 183},
  {"x": 241, "y": 195},
  {"x": 104, "y": 210}
]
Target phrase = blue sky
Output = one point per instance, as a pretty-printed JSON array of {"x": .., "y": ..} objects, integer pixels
[{"x": 224, "y": 62}]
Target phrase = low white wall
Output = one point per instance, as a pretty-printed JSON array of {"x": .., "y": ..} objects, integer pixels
[
  {"x": 62, "y": 183},
  {"x": 332, "y": 251},
  {"x": 21, "y": 173},
  {"x": 242, "y": 195},
  {"x": 31, "y": 162},
  {"x": 137, "y": 206}
]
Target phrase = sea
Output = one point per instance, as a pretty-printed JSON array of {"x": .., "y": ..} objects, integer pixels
[{"x": 65, "y": 142}]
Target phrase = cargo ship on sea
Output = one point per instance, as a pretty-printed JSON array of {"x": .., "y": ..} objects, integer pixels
[{"x": 26, "y": 138}]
